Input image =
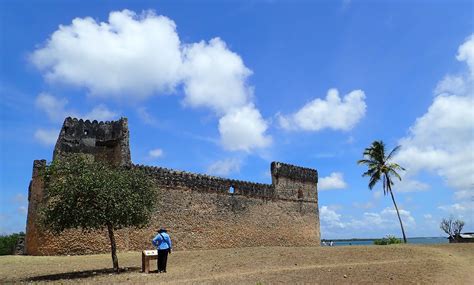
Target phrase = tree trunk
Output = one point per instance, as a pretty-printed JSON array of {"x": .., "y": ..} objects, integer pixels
[
  {"x": 113, "y": 247},
  {"x": 398, "y": 214}
]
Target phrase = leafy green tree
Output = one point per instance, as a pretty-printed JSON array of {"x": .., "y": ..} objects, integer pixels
[
  {"x": 380, "y": 167},
  {"x": 8, "y": 243},
  {"x": 88, "y": 195}
]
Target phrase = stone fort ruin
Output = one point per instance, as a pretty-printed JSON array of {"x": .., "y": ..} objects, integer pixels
[{"x": 200, "y": 211}]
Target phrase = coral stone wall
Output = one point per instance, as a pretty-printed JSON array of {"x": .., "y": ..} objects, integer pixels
[
  {"x": 198, "y": 210},
  {"x": 35, "y": 195},
  {"x": 198, "y": 220}
]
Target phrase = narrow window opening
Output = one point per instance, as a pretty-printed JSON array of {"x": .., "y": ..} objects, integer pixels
[
  {"x": 86, "y": 132},
  {"x": 231, "y": 190}
]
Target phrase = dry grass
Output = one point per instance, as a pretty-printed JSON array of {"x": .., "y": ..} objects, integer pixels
[{"x": 397, "y": 264}]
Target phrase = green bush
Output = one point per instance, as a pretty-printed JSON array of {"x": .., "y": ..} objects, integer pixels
[
  {"x": 8, "y": 243},
  {"x": 387, "y": 240}
]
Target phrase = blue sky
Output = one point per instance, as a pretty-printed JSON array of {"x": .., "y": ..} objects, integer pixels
[{"x": 227, "y": 87}]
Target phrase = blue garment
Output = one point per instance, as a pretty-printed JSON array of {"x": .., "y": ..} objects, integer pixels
[{"x": 161, "y": 243}]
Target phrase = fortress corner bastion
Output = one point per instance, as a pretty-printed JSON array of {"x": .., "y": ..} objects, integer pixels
[{"x": 200, "y": 211}]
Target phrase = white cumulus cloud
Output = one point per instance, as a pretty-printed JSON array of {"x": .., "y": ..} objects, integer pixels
[
  {"x": 136, "y": 56},
  {"x": 243, "y": 129},
  {"x": 391, "y": 213},
  {"x": 466, "y": 53},
  {"x": 224, "y": 167},
  {"x": 215, "y": 77},
  {"x": 441, "y": 141},
  {"x": 385, "y": 221},
  {"x": 334, "y": 181},
  {"x": 130, "y": 55},
  {"x": 333, "y": 113},
  {"x": 330, "y": 218}
]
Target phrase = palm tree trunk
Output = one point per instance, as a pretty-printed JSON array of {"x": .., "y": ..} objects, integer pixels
[
  {"x": 113, "y": 248},
  {"x": 398, "y": 214}
]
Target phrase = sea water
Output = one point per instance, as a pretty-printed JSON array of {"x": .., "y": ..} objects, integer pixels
[{"x": 415, "y": 240}]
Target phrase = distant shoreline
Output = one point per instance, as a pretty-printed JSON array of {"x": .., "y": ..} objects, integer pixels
[{"x": 372, "y": 239}]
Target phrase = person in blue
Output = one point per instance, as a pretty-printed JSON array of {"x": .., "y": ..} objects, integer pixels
[{"x": 162, "y": 242}]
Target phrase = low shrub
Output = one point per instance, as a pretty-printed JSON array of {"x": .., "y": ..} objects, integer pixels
[{"x": 387, "y": 240}]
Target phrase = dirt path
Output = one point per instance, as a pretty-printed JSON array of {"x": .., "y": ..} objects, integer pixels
[
  {"x": 458, "y": 261},
  {"x": 399, "y": 264}
]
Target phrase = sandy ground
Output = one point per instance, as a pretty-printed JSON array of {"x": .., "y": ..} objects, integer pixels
[{"x": 395, "y": 264}]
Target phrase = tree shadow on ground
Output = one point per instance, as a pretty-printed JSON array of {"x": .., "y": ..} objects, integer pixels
[{"x": 80, "y": 274}]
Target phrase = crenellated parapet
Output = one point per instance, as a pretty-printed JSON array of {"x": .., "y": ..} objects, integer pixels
[
  {"x": 289, "y": 182},
  {"x": 303, "y": 174},
  {"x": 294, "y": 182},
  {"x": 170, "y": 178}
]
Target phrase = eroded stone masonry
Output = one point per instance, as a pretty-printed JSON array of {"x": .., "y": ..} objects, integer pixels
[{"x": 200, "y": 211}]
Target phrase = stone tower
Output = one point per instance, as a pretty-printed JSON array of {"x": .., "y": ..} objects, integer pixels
[
  {"x": 294, "y": 182},
  {"x": 106, "y": 141}
]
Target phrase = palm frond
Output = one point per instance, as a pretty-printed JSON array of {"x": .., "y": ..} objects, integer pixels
[
  {"x": 395, "y": 174},
  {"x": 369, "y": 172},
  {"x": 378, "y": 151},
  {"x": 395, "y": 166},
  {"x": 373, "y": 180},
  {"x": 366, "y": 161},
  {"x": 393, "y": 152}
]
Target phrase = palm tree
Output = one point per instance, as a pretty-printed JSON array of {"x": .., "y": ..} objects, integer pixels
[{"x": 380, "y": 167}]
